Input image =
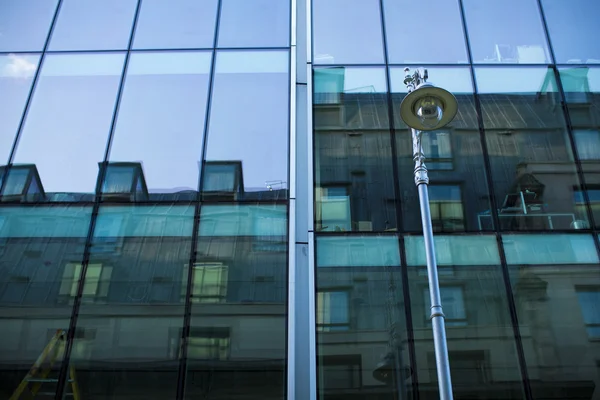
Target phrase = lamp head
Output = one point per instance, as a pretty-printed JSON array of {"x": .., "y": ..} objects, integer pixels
[{"x": 428, "y": 107}]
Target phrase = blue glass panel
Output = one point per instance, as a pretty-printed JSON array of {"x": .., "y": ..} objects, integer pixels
[
  {"x": 549, "y": 249},
  {"x": 24, "y": 24},
  {"x": 243, "y": 220},
  {"x": 357, "y": 251}
]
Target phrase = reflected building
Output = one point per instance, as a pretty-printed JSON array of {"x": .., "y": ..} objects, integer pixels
[{"x": 215, "y": 200}]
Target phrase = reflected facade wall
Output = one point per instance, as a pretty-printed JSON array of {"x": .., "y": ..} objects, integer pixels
[{"x": 512, "y": 195}]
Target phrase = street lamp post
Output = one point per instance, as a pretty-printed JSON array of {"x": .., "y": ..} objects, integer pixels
[{"x": 427, "y": 108}]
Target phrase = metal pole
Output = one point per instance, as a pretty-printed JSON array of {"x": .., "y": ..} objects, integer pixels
[{"x": 437, "y": 314}]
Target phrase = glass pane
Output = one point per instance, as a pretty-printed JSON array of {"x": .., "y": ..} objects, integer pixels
[
  {"x": 357, "y": 251},
  {"x": 93, "y": 25},
  {"x": 506, "y": 31},
  {"x": 161, "y": 118},
  {"x": 445, "y": 43},
  {"x": 38, "y": 245},
  {"x": 179, "y": 24},
  {"x": 549, "y": 249},
  {"x": 24, "y": 24},
  {"x": 557, "y": 309},
  {"x": 532, "y": 164},
  {"x": 353, "y": 175},
  {"x": 347, "y": 32},
  {"x": 68, "y": 123},
  {"x": 572, "y": 25},
  {"x": 248, "y": 129},
  {"x": 481, "y": 344},
  {"x": 254, "y": 23},
  {"x": 458, "y": 192},
  {"x": 362, "y": 342},
  {"x": 239, "y": 304},
  {"x": 582, "y": 93},
  {"x": 16, "y": 76},
  {"x": 134, "y": 288},
  {"x": 454, "y": 250}
]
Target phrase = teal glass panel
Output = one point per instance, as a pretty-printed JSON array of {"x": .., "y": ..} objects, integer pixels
[
  {"x": 362, "y": 347},
  {"x": 238, "y": 292},
  {"x": 549, "y": 249},
  {"x": 454, "y": 250},
  {"x": 132, "y": 305},
  {"x": 243, "y": 220},
  {"x": 559, "y": 320},
  {"x": 37, "y": 246},
  {"x": 354, "y": 251}
]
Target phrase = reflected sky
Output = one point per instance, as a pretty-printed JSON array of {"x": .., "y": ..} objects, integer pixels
[
  {"x": 249, "y": 115},
  {"x": 24, "y": 24},
  {"x": 16, "y": 75},
  {"x": 176, "y": 24},
  {"x": 93, "y": 25},
  {"x": 161, "y": 117},
  {"x": 347, "y": 32},
  {"x": 67, "y": 126}
]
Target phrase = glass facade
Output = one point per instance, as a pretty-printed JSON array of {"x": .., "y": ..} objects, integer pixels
[{"x": 214, "y": 199}]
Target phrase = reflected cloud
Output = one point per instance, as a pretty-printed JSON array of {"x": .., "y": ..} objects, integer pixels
[{"x": 18, "y": 67}]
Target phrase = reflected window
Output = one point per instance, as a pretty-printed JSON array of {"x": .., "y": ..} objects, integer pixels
[
  {"x": 178, "y": 24},
  {"x": 93, "y": 25},
  {"x": 446, "y": 204},
  {"x": 209, "y": 283},
  {"x": 347, "y": 32},
  {"x": 589, "y": 300},
  {"x": 251, "y": 88},
  {"x": 24, "y": 24},
  {"x": 437, "y": 145},
  {"x": 333, "y": 310},
  {"x": 208, "y": 344},
  {"x": 254, "y": 23},
  {"x": 571, "y": 25},
  {"x": 588, "y": 144},
  {"x": 506, "y": 31},
  {"x": 340, "y": 372},
  {"x": 335, "y": 209},
  {"x": 95, "y": 288},
  {"x": 16, "y": 76},
  {"x": 453, "y": 302},
  {"x": 161, "y": 118},
  {"x": 69, "y": 119},
  {"x": 448, "y": 47}
]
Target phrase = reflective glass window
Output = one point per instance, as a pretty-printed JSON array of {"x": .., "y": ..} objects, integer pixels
[
  {"x": 24, "y": 24},
  {"x": 572, "y": 26},
  {"x": 549, "y": 249},
  {"x": 582, "y": 92},
  {"x": 161, "y": 118},
  {"x": 38, "y": 244},
  {"x": 362, "y": 345},
  {"x": 454, "y": 250},
  {"x": 134, "y": 287},
  {"x": 177, "y": 24},
  {"x": 254, "y": 23},
  {"x": 69, "y": 119},
  {"x": 445, "y": 43},
  {"x": 93, "y": 25},
  {"x": 557, "y": 310},
  {"x": 481, "y": 344},
  {"x": 506, "y": 31},
  {"x": 458, "y": 191},
  {"x": 247, "y": 149},
  {"x": 347, "y": 32},
  {"x": 16, "y": 76},
  {"x": 531, "y": 159},
  {"x": 353, "y": 168},
  {"x": 239, "y": 303}
]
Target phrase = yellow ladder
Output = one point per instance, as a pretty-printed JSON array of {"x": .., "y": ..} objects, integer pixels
[{"x": 31, "y": 384}]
